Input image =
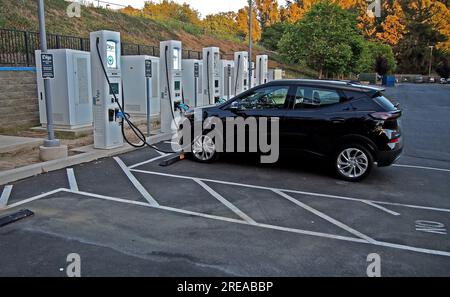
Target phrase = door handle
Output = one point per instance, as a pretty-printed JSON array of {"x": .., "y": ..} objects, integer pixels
[{"x": 337, "y": 120}]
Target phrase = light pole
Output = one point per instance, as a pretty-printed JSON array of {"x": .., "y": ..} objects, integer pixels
[
  {"x": 431, "y": 59},
  {"x": 250, "y": 43},
  {"x": 51, "y": 141}
]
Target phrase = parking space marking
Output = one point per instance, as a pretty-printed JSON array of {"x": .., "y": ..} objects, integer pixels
[
  {"x": 136, "y": 183},
  {"x": 149, "y": 161},
  {"x": 72, "y": 180},
  {"x": 421, "y": 167},
  {"x": 230, "y": 220},
  {"x": 5, "y": 196},
  {"x": 325, "y": 217},
  {"x": 225, "y": 202},
  {"x": 34, "y": 198},
  {"x": 382, "y": 208},
  {"x": 293, "y": 191}
]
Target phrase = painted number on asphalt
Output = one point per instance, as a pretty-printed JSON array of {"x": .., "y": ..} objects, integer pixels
[{"x": 431, "y": 227}]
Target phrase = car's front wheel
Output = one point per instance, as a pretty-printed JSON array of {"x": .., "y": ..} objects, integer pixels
[
  {"x": 204, "y": 149},
  {"x": 353, "y": 162}
]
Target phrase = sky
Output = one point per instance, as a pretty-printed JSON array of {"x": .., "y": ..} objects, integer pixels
[{"x": 205, "y": 7}]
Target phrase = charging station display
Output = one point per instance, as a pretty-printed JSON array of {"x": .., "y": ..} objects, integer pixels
[{"x": 111, "y": 54}]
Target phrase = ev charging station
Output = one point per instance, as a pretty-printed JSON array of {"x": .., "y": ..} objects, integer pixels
[
  {"x": 211, "y": 76},
  {"x": 275, "y": 74},
  {"x": 192, "y": 82},
  {"x": 171, "y": 84},
  {"x": 241, "y": 67},
  {"x": 140, "y": 78},
  {"x": 226, "y": 69},
  {"x": 262, "y": 69},
  {"x": 71, "y": 88},
  {"x": 106, "y": 88}
]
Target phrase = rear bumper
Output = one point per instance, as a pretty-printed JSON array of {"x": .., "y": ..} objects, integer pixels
[{"x": 388, "y": 158}]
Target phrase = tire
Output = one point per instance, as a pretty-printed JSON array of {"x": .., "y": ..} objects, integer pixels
[
  {"x": 353, "y": 162},
  {"x": 204, "y": 150}
]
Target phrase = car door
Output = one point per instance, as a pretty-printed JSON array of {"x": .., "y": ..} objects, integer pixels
[
  {"x": 267, "y": 102},
  {"x": 318, "y": 117}
]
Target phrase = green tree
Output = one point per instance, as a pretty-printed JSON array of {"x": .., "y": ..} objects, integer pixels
[
  {"x": 326, "y": 38},
  {"x": 272, "y": 35},
  {"x": 373, "y": 51},
  {"x": 223, "y": 23}
]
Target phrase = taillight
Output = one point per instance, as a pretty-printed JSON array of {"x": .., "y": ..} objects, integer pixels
[
  {"x": 385, "y": 115},
  {"x": 395, "y": 140}
]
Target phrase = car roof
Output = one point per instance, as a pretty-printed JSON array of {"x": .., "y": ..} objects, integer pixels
[{"x": 335, "y": 84}]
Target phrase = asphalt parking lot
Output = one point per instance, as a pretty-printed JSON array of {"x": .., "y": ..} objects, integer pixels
[{"x": 129, "y": 216}]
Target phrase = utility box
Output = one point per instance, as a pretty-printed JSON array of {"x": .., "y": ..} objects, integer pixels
[
  {"x": 140, "y": 79},
  {"x": 192, "y": 82},
  {"x": 275, "y": 74},
  {"x": 226, "y": 74},
  {"x": 389, "y": 80},
  {"x": 71, "y": 89}
]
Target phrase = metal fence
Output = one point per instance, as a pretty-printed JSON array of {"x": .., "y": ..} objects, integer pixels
[{"x": 17, "y": 48}]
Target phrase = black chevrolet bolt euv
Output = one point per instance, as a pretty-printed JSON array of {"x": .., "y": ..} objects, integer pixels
[{"x": 354, "y": 126}]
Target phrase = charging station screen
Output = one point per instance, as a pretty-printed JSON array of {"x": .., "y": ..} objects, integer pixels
[
  {"x": 111, "y": 54},
  {"x": 176, "y": 59},
  {"x": 177, "y": 86},
  {"x": 114, "y": 89}
]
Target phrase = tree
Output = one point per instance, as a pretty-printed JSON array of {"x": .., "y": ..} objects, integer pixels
[
  {"x": 168, "y": 9},
  {"x": 371, "y": 52},
  {"x": 243, "y": 24},
  {"x": 392, "y": 28},
  {"x": 413, "y": 50},
  {"x": 223, "y": 23},
  {"x": 381, "y": 65},
  {"x": 267, "y": 13},
  {"x": 443, "y": 69},
  {"x": 326, "y": 38},
  {"x": 272, "y": 35}
]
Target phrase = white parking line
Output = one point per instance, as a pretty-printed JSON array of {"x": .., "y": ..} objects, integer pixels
[
  {"x": 72, "y": 180},
  {"x": 294, "y": 191},
  {"x": 382, "y": 208},
  {"x": 34, "y": 198},
  {"x": 136, "y": 183},
  {"x": 5, "y": 196},
  {"x": 259, "y": 225},
  {"x": 149, "y": 161},
  {"x": 225, "y": 202},
  {"x": 421, "y": 167},
  {"x": 325, "y": 217}
]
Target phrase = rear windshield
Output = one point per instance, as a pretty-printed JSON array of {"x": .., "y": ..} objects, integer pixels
[{"x": 385, "y": 103}]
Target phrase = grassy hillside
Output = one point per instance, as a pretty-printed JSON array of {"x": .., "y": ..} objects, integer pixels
[{"x": 22, "y": 15}]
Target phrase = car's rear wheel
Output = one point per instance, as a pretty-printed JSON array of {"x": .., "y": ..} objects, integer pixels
[
  {"x": 204, "y": 149},
  {"x": 353, "y": 162}
]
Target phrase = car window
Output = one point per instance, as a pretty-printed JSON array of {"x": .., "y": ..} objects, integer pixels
[
  {"x": 309, "y": 97},
  {"x": 265, "y": 98}
]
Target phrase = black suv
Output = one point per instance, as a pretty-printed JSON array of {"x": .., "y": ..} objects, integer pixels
[{"x": 354, "y": 126}]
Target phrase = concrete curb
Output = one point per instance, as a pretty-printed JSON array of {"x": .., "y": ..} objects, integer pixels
[{"x": 13, "y": 175}]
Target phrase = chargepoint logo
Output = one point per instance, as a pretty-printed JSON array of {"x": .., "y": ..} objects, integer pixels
[
  {"x": 235, "y": 134},
  {"x": 74, "y": 10},
  {"x": 374, "y": 8}
]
